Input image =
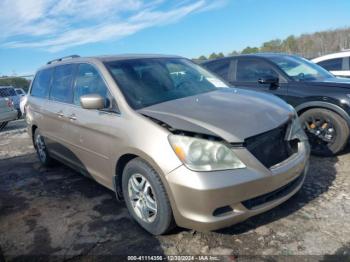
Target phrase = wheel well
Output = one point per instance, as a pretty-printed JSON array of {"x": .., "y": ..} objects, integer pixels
[
  {"x": 122, "y": 161},
  {"x": 345, "y": 117},
  {"x": 34, "y": 127},
  {"x": 316, "y": 107}
]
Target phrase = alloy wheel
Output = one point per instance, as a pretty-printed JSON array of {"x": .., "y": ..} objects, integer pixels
[
  {"x": 320, "y": 131},
  {"x": 142, "y": 198},
  {"x": 41, "y": 148}
]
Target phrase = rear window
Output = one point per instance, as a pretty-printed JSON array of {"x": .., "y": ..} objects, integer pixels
[
  {"x": 41, "y": 84},
  {"x": 19, "y": 92},
  {"x": 61, "y": 89},
  {"x": 7, "y": 91},
  {"x": 332, "y": 64}
]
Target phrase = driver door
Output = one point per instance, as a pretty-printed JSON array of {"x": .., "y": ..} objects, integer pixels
[{"x": 94, "y": 133}]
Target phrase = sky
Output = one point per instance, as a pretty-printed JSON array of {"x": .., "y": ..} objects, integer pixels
[{"x": 36, "y": 31}]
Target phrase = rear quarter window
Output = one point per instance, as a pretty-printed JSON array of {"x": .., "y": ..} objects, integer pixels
[{"x": 41, "y": 84}]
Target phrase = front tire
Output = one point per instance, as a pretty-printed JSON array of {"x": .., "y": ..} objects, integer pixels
[
  {"x": 328, "y": 132},
  {"x": 146, "y": 198},
  {"x": 41, "y": 149}
]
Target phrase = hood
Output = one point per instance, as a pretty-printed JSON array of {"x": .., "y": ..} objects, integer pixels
[
  {"x": 232, "y": 114},
  {"x": 331, "y": 82}
]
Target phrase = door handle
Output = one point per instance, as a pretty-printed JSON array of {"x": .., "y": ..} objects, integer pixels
[
  {"x": 60, "y": 114},
  {"x": 72, "y": 117}
]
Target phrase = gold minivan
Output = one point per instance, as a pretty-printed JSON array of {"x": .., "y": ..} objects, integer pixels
[{"x": 169, "y": 138}]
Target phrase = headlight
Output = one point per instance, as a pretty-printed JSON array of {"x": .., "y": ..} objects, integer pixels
[
  {"x": 204, "y": 155},
  {"x": 297, "y": 131}
]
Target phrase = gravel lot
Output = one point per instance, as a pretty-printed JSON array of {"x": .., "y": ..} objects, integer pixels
[{"x": 58, "y": 212}]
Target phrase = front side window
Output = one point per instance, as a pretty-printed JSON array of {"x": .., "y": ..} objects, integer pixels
[
  {"x": 252, "y": 70},
  {"x": 61, "y": 89},
  {"x": 300, "y": 69},
  {"x": 332, "y": 64},
  {"x": 146, "y": 82},
  {"x": 88, "y": 81},
  {"x": 41, "y": 84}
]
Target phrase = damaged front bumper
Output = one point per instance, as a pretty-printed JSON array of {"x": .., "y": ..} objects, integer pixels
[{"x": 212, "y": 200}]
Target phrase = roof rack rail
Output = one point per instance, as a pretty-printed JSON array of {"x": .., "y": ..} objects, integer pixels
[{"x": 62, "y": 58}]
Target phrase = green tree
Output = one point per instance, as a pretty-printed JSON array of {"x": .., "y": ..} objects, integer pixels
[
  {"x": 220, "y": 55},
  {"x": 234, "y": 52},
  {"x": 18, "y": 82},
  {"x": 213, "y": 56},
  {"x": 202, "y": 57},
  {"x": 290, "y": 44},
  {"x": 250, "y": 50},
  {"x": 272, "y": 46}
]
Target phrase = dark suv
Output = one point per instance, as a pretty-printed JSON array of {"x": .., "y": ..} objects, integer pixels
[{"x": 321, "y": 99}]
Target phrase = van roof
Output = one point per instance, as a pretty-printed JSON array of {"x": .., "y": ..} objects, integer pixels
[
  {"x": 102, "y": 58},
  {"x": 105, "y": 58}
]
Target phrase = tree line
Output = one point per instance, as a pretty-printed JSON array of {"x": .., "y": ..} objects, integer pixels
[
  {"x": 17, "y": 82},
  {"x": 306, "y": 45}
]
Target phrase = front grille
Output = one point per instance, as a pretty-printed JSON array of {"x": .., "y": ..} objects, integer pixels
[
  {"x": 276, "y": 194},
  {"x": 270, "y": 148}
]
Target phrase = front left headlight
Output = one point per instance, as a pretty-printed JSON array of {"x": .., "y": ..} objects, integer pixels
[
  {"x": 297, "y": 131},
  {"x": 204, "y": 155}
]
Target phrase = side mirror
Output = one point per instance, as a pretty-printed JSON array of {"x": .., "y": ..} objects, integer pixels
[
  {"x": 93, "y": 101},
  {"x": 269, "y": 80}
]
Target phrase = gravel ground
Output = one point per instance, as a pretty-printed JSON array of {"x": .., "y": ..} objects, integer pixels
[{"x": 58, "y": 212}]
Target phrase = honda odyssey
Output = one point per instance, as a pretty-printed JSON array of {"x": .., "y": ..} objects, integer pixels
[{"x": 168, "y": 137}]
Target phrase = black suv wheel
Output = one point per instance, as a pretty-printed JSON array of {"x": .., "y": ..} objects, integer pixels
[{"x": 327, "y": 131}]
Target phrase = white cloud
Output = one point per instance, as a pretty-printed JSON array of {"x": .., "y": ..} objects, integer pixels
[{"x": 55, "y": 25}]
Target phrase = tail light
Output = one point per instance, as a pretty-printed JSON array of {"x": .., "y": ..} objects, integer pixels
[{"x": 10, "y": 103}]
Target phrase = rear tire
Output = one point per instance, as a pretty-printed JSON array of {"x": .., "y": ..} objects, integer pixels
[
  {"x": 159, "y": 218},
  {"x": 41, "y": 149},
  {"x": 328, "y": 132},
  {"x": 3, "y": 125}
]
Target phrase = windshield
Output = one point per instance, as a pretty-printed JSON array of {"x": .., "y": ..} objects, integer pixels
[
  {"x": 300, "y": 69},
  {"x": 146, "y": 82}
]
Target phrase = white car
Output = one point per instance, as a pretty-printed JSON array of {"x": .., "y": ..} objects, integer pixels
[
  {"x": 20, "y": 92},
  {"x": 338, "y": 63},
  {"x": 22, "y": 104}
]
